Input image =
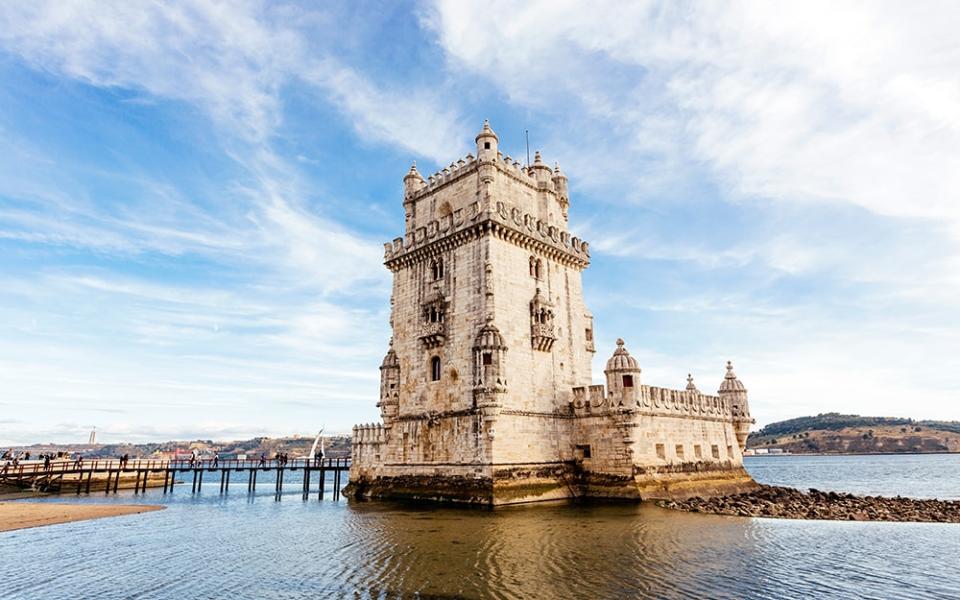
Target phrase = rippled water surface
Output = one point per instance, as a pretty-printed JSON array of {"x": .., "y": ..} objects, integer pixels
[{"x": 237, "y": 546}]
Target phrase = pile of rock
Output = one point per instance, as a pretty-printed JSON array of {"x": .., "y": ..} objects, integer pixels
[{"x": 789, "y": 503}]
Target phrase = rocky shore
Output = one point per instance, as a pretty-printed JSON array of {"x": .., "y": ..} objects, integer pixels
[{"x": 790, "y": 503}]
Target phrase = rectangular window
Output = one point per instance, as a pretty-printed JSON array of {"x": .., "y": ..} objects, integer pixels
[
  {"x": 697, "y": 452},
  {"x": 627, "y": 381},
  {"x": 581, "y": 451},
  {"x": 487, "y": 358},
  {"x": 661, "y": 451},
  {"x": 715, "y": 452},
  {"x": 729, "y": 451},
  {"x": 679, "y": 450},
  {"x": 589, "y": 333}
]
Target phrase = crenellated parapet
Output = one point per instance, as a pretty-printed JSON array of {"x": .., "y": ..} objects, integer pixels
[
  {"x": 368, "y": 434},
  {"x": 506, "y": 221}
]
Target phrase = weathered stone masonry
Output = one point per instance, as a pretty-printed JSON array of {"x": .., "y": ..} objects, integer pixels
[{"x": 486, "y": 392}]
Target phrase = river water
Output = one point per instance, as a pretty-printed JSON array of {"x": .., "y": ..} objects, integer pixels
[{"x": 238, "y": 546}]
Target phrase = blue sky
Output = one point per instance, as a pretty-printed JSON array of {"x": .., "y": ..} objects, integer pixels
[{"x": 193, "y": 198}]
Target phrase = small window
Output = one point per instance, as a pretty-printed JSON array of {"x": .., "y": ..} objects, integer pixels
[
  {"x": 628, "y": 381},
  {"x": 697, "y": 451},
  {"x": 729, "y": 451},
  {"x": 715, "y": 452},
  {"x": 435, "y": 368},
  {"x": 487, "y": 358},
  {"x": 437, "y": 269},
  {"x": 486, "y": 145},
  {"x": 589, "y": 334},
  {"x": 679, "y": 450},
  {"x": 582, "y": 451},
  {"x": 661, "y": 451}
]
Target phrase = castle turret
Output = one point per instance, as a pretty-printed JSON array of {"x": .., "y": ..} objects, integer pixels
[
  {"x": 389, "y": 386},
  {"x": 540, "y": 171},
  {"x": 489, "y": 375},
  {"x": 623, "y": 377},
  {"x": 560, "y": 186},
  {"x": 412, "y": 183},
  {"x": 734, "y": 393},
  {"x": 487, "y": 142}
]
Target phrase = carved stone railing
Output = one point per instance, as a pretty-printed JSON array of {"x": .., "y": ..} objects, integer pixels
[
  {"x": 542, "y": 336},
  {"x": 433, "y": 334}
]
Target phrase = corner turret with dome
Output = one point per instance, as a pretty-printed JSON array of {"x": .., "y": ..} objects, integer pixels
[{"x": 486, "y": 390}]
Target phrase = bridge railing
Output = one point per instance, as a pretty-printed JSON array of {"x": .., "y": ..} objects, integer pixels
[{"x": 55, "y": 467}]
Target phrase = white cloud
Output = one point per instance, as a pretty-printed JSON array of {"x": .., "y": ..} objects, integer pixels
[{"x": 840, "y": 102}]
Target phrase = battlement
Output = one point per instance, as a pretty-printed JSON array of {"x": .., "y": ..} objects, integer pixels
[
  {"x": 594, "y": 399},
  {"x": 368, "y": 434},
  {"x": 525, "y": 228},
  {"x": 469, "y": 163}
]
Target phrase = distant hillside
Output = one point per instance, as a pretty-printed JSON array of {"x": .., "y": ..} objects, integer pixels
[{"x": 834, "y": 433}]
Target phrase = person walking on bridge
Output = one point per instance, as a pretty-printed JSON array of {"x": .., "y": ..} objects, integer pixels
[
  {"x": 216, "y": 459},
  {"x": 263, "y": 460}
]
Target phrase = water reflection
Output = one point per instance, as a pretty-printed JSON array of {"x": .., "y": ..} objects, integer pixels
[{"x": 209, "y": 545}]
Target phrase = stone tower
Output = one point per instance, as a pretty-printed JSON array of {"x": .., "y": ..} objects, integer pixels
[{"x": 492, "y": 346}]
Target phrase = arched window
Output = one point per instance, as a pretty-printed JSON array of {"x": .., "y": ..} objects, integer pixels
[
  {"x": 538, "y": 269},
  {"x": 436, "y": 267},
  {"x": 533, "y": 267},
  {"x": 435, "y": 368}
]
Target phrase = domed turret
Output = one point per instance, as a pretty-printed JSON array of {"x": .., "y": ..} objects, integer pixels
[
  {"x": 412, "y": 181},
  {"x": 487, "y": 142},
  {"x": 489, "y": 379},
  {"x": 389, "y": 385},
  {"x": 621, "y": 360},
  {"x": 560, "y": 185},
  {"x": 540, "y": 171},
  {"x": 623, "y": 376},
  {"x": 489, "y": 338},
  {"x": 734, "y": 393},
  {"x": 730, "y": 381}
]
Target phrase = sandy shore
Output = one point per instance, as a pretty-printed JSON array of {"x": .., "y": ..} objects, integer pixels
[{"x": 20, "y": 515}]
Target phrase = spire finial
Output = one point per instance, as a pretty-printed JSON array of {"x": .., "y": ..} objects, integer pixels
[
  {"x": 691, "y": 386},
  {"x": 620, "y": 342},
  {"x": 730, "y": 374},
  {"x": 537, "y": 160}
]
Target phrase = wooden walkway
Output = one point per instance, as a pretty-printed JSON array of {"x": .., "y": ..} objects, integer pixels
[{"x": 63, "y": 476}]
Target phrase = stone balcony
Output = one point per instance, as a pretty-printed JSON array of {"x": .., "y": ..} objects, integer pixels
[
  {"x": 542, "y": 336},
  {"x": 433, "y": 334}
]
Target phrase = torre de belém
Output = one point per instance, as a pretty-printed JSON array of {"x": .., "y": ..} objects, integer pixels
[{"x": 486, "y": 392}]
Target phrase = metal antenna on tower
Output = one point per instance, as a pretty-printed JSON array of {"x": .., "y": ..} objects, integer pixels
[{"x": 526, "y": 135}]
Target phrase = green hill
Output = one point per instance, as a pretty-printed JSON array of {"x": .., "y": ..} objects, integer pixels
[{"x": 835, "y": 433}]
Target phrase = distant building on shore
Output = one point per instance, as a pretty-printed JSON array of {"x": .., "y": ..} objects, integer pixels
[{"x": 486, "y": 391}]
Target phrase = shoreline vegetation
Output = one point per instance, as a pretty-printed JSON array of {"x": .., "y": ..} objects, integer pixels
[
  {"x": 23, "y": 515},
  {"x": 790, "y": 503}
]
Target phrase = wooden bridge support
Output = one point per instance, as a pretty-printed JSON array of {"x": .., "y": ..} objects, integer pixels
[{"x": 109, "y": 474}]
